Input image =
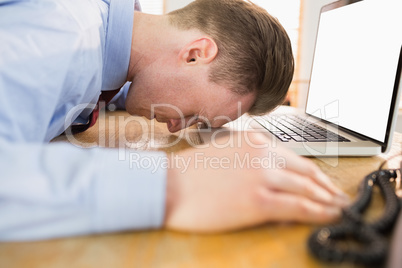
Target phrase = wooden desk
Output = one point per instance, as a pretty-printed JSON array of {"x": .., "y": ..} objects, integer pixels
[{"x": 271, "y": 245}]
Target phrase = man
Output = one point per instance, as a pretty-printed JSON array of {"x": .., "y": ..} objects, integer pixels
[{"x": 57, "y": 57}]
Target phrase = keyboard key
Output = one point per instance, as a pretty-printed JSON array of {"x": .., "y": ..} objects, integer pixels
[
  {"x": 312, "y": 139},
  {"x": 298, "y": 138},
  {"x": 282, "y": 138},
  {"x": 317, "y": 136}
]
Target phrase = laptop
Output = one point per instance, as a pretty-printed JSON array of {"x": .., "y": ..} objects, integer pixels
[{"x": 353, "y": 97}]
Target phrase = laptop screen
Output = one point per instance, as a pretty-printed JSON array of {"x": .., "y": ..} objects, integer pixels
[{"x": 355, "y": 66}]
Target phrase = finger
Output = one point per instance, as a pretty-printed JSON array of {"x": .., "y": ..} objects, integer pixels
[
  {"x": 288, "y": 207},
  {"x": 294, "y": 183},
  {"x": 307, "y": 168}
]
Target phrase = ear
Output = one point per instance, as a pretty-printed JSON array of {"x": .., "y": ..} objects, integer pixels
[{"x": 201, "y": 50}]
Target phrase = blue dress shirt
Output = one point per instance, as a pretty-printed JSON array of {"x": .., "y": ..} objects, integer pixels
[{"x": 55, "y": 56}]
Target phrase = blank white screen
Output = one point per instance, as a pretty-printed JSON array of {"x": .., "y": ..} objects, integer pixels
[{"x": 355, "y": 64}]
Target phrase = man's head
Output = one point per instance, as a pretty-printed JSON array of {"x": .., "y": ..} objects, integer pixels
[
  {"x": 206, "y": 58},
  {"x": 254, "y": 51}
]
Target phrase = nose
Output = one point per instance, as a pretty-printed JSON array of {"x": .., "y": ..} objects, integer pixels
[{"x": 175, "y": 125}]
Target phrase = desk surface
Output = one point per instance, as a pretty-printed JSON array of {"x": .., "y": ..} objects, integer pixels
[{"x": 270, "y": 245}]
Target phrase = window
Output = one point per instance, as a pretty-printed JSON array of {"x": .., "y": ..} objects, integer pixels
[
  {"x": 288, "y": 14},
  {"x": 152, "y": 6}
]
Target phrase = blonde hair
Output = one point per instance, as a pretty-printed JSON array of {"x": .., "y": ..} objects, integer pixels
[{"x": 254, "y": 50}]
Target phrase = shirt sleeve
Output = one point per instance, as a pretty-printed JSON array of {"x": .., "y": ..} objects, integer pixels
[
  {"x": 50, "y": 63},
  {"x": 59, "y": 190}
]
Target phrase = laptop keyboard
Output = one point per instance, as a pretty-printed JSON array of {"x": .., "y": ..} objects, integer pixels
[{"x": 292, "y": 127}]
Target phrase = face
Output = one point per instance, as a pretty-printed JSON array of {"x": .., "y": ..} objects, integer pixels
[{"x": 181, "y": 99}]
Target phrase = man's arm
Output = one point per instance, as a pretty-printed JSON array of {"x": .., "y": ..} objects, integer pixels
[{"x": 59, "y": 190}]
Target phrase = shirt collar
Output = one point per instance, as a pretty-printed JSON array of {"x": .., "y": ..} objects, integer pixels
[{"x": 118, "y": 43}]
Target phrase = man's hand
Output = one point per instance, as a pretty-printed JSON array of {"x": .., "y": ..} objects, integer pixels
[{"x": 240, "y": 186}]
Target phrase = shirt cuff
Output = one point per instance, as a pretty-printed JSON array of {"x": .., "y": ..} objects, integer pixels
[{"x": 130, "y": 191}]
